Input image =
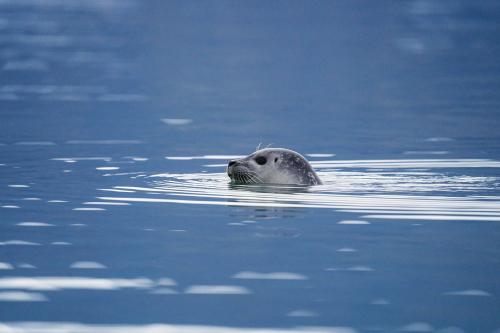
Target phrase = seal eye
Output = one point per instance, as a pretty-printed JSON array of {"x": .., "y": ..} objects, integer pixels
[{"x": 261, "y": 160}]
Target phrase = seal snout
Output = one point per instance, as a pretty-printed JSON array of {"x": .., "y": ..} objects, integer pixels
[{"x": 230, "y": 167}]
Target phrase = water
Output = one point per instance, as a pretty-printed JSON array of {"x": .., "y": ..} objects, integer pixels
[{"x": 118, "y": 117}]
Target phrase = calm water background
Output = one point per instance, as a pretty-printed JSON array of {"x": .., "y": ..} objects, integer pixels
[{"x": 94, "y": 95}]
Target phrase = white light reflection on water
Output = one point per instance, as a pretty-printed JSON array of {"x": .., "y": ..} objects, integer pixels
[
  {"x": 100, "y": 5},
  {"x": 6, "y": 265},
  {"x": 34, "y": 224},
  {"x": 21, "y": 296},
  {"x": 107, "y": 168},
  {"x": 61, "y": 243},
  {"x": 106, "y": 203},
  {"x": 35, "y": 143},
  {"x": 37, "y": 327},
  {"x": 381, "y": 189},
  {"x": 358, "y": 222},
  {"x": 19, "y": 242},
  {"x": 417, "y": 327},
  {"x": 469, "y": 292},
  {"x": 217, "y": 290},
  {"x": 177, "y": 121},
  {"x": 302, "y": 313},
  {"x": 89, "y": 209},
  {"x": 87, "y": 265},
  {"x": 205, "y": 157},
  {"x": 55, "y": 283},
  {"x": 269, "y": 276}
]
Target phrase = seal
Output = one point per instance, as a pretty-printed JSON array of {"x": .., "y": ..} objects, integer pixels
[{"x": 272, "y": 166}]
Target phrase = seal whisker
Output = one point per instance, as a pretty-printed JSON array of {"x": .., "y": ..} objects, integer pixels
[
  {"x": 249, "y": 179},
  {"x": 255, "y": 179},
  {"x": 246, "y": 177},
  {"x": 242, "y": 178}
]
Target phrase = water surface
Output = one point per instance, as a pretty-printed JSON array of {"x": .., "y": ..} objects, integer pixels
[{"x": 117, "y": 119}]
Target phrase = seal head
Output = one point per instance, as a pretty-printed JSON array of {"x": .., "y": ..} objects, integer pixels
[{"x": 273, "y": 166}]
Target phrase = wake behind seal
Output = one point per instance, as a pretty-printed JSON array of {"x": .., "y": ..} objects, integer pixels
[{"x": 273, "y": 166}]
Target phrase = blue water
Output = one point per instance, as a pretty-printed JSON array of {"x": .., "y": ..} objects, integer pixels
[{"x": 118, "y": 117}]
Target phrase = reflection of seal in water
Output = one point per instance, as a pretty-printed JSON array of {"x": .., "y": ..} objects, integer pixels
[{"x": 273, "y": 166}]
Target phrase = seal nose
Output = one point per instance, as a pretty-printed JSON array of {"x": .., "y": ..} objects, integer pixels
[{"x": 230, "y": 167}]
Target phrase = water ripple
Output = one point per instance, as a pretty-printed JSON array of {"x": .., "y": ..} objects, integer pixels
[{"x": 378, "y": 189}]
